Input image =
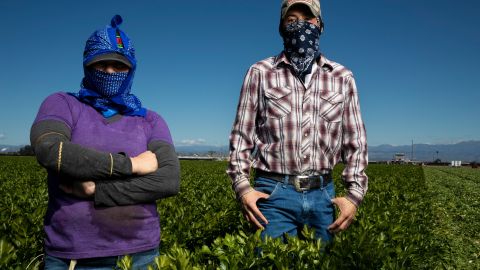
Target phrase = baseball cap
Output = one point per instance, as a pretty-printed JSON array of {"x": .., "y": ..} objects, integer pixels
[
  {"x": 314, "y": 6},
  {"x": 110, "y": 57}
]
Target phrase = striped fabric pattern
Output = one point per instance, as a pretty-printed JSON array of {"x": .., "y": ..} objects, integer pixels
[{"x": 285, "y": 127}]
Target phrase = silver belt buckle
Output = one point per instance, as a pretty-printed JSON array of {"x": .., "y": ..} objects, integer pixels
[{"x": 302, "y": 179}]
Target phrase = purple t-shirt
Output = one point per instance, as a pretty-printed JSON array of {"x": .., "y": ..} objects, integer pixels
[{"x": 74, "y": 228}]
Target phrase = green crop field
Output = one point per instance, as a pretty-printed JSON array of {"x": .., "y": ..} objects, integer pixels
[{"x": 412, "y": 218}]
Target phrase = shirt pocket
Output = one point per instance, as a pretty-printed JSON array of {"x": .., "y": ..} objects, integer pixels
[
  {"x": 278, "y": 103},
  {"x": 331, "y": 106}
]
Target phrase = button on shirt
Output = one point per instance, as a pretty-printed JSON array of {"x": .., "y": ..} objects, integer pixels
[{"x": 289, "y": 127}]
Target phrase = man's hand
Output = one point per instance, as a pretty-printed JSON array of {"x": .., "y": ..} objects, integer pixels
[
  {"x": 144, "y": 163},
  {"x": 250, "y": 209},
  {"x": 80, "y": 189},
  {"x": 347, "y": 213}
]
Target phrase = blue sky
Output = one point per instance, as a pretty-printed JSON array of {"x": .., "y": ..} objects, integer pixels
[{"x": 416, "y": 63}]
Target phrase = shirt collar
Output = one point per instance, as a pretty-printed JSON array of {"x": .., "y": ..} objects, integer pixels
[
  {"x": 325, "y": 63},
  {"x": 282, "y": 59}
]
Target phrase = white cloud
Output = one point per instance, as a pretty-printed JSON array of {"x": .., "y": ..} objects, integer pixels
[
  {"x": 2, "y": 136},
  {"x": 189, "y": 142},
  {"x": 4, "y": 149}
]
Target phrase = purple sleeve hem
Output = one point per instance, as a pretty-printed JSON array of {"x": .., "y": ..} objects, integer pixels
[
  {"x": 160, "y": 130},
  {"x": 55, "y": 107}
]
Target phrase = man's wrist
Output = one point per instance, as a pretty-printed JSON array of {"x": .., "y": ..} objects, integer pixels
[
  {"x": 240, "y": 197},
  {"x": 241, "y": 185},
  {"x": 353, "y": 200}
]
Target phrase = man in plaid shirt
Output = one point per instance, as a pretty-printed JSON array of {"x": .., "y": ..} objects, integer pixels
[{"x": 297, "y": 116}]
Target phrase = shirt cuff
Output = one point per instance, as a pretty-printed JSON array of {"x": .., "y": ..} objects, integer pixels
[
  {"x": 121, "y": 165},
  {"x": 242, "y": 186},
  {"x": 355, "y": 197}
]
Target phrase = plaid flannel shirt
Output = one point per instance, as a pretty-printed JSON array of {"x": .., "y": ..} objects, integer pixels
[{"x": 285, "y": 127}]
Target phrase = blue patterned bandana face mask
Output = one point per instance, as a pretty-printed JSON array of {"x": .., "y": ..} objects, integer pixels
[
  {"x": 106, "y": 84},
  {"x": 301, "y": 43}
]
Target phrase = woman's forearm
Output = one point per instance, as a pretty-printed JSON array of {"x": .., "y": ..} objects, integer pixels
[{"x": 50, "y": 140}]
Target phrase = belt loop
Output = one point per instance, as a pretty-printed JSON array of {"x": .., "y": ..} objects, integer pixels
[
  {"x": 285, "y": 180},
  {"x": 321, "y": 182}
]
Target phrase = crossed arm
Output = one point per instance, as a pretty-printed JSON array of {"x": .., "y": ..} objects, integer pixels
[{"x": 111, "y": 179}]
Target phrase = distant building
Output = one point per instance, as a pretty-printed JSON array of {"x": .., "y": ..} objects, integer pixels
[
  {"x": 456, "y": 163},
  {"x": 399, "y": 158}
]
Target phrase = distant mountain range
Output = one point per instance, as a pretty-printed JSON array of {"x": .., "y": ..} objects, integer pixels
[
  {"x": 465, "y": 151},
  {"x": 9, "y": 148},
  {"x": 201, "y": 149}
]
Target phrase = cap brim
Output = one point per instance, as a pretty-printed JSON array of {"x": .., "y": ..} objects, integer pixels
[{"x": 110, "y": 57}]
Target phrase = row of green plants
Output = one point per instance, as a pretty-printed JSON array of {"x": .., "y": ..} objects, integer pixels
[
  {"x": 203, "y": 228},
  {"x": 23, "y": 202},
  {"x": 456, "y": 222},
  {"x": 391, "y": 230}
]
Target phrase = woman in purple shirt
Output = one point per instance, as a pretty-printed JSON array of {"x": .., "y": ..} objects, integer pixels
[{"x": 108, "y": 160}]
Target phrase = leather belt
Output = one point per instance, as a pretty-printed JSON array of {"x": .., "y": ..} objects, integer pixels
[{"x": 300, "y": 182}]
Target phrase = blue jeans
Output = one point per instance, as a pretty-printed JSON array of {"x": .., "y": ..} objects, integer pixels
[
  {"x": 140, "y": 261},
  {"x": 288, "y": 210}
]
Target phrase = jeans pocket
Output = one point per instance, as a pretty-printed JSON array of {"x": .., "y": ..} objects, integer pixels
[
  {"x": 329, "y": 191},
  {"x": 267, "y": 186}
]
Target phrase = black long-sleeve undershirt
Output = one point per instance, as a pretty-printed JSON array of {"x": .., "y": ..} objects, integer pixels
[
  {"x": 165, "y": 182},
  {"x": 114, "y": 182}
]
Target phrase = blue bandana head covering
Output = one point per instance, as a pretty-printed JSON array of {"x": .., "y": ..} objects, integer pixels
[
  {"x": 301, "y": 43},
  {"x": 109, "y": 93}
]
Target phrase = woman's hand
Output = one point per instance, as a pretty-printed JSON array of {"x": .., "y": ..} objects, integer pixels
[{"x": 144, "y": 163}]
